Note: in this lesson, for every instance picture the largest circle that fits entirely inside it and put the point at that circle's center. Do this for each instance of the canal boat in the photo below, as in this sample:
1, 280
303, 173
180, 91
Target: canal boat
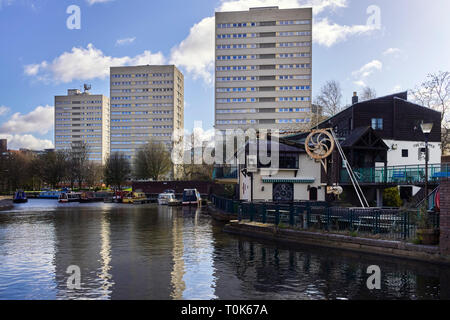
91, 196
20, 197
67, 197
174, 202
49, 194
191, 197
135, 198
165, 198
119, 196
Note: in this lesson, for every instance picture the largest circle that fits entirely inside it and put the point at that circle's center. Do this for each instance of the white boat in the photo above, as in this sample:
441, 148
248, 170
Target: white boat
165, 198
69, 197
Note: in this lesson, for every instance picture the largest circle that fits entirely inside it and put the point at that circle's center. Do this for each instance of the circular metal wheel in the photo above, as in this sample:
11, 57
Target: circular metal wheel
319, 144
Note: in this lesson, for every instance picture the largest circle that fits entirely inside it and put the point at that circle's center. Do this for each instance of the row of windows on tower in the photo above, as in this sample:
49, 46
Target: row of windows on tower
262, 24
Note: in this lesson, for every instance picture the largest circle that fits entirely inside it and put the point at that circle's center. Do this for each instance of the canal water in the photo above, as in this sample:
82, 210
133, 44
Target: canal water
155, 252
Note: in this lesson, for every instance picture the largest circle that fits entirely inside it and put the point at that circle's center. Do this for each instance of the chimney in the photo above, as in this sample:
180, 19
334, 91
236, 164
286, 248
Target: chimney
355, 98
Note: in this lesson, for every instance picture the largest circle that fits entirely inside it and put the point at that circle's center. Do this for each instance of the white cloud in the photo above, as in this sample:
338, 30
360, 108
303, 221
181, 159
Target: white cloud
125, 41
91, 2
196, 52
368, 69
26, 141
395, 53
328, 34
33, 69
40, 120
391, 51
360, 83
86, 64
397, 88
4, 110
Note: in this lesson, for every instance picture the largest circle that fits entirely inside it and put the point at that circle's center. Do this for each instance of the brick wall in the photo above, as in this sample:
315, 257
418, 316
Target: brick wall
445, 217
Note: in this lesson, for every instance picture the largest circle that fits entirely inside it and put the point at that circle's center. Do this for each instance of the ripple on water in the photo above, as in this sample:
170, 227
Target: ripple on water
150, 252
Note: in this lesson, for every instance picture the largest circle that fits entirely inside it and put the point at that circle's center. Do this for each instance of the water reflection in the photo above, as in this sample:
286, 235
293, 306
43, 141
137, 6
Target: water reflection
105, 254
151, 252
178, 272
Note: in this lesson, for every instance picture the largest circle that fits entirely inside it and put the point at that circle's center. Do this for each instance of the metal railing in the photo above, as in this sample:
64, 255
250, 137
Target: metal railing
226, 205
389, 223
399, 174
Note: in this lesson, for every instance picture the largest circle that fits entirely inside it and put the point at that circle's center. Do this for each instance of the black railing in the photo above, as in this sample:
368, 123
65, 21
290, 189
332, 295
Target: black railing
226, 205
388, 223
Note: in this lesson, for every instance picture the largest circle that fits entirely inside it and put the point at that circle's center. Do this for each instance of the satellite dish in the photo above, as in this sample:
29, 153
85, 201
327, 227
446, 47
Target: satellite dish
87, 87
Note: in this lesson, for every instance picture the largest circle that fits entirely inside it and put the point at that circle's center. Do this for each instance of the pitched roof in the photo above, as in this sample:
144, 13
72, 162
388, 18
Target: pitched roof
357, 134
400, 95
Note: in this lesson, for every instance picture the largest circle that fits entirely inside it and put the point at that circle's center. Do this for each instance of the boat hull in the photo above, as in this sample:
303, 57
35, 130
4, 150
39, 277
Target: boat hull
20, 200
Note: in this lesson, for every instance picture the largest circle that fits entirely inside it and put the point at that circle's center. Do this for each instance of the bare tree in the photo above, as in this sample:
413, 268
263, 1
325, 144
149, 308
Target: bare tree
434, 93
78, 162
330, 98
17, 170
152, 161
52, 167
368, 94
94, 173
117, 170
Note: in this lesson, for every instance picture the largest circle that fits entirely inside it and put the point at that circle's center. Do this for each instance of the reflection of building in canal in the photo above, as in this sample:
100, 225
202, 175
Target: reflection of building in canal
79, 241
267, 272
193, 273
178, 284
142, 262
105, 254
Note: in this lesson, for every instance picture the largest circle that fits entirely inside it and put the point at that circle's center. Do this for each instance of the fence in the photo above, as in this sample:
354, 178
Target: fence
226, 205
384, 222
400, 174
232, 206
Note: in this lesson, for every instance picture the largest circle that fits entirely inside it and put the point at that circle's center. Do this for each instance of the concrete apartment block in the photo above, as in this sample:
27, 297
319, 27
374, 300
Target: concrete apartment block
81, 116
147, 103
263, 69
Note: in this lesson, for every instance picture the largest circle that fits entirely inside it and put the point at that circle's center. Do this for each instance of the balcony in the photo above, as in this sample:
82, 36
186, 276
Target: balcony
225, 174
407, 175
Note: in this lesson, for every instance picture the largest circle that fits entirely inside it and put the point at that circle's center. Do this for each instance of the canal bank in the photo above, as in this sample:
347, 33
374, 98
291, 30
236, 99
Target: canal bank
398, 249
6, 204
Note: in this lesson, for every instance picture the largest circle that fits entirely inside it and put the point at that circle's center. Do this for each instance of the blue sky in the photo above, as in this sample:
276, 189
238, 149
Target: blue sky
40, 57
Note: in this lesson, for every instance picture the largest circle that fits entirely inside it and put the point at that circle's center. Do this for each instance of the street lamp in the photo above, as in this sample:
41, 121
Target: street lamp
426, 129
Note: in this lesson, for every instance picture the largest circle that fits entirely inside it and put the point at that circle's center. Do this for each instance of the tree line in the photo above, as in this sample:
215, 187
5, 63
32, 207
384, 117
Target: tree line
72, 168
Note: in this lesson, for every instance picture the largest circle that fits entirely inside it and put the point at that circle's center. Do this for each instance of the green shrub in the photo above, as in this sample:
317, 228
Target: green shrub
353, 234
391, 197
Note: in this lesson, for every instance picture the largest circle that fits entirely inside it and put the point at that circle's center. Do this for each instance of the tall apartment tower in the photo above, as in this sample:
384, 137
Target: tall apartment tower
263, 69
147, 103
83, 117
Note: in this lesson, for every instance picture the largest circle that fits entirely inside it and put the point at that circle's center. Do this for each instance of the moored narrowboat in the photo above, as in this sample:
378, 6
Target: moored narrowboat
20, 197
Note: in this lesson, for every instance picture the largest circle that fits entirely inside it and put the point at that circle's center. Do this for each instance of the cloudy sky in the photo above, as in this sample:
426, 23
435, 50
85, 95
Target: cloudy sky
41, 57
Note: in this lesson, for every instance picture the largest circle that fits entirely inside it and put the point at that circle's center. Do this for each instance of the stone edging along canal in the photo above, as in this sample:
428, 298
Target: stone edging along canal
397, 249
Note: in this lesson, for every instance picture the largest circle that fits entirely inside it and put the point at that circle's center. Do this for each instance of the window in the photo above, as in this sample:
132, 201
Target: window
377, 124
405, 153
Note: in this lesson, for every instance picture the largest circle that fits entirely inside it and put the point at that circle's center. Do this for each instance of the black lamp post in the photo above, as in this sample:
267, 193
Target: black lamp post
426, 129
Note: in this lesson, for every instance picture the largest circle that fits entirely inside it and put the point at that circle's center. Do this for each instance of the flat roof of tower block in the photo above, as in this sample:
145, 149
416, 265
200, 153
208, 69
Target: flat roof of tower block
264, 8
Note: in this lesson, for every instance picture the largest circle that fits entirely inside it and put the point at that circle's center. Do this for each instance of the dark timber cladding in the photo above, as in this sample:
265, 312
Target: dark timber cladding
401, 118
